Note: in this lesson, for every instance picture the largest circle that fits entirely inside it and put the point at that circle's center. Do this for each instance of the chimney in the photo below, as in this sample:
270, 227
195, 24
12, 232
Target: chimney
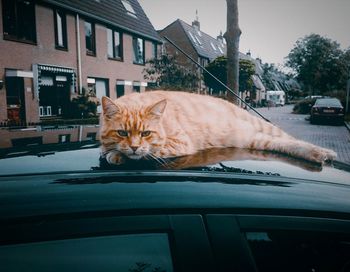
248, 53
196, 23
220, 38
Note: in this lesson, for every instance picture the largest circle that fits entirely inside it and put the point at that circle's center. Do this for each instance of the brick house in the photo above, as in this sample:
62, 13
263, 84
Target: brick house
203, 48
52, 49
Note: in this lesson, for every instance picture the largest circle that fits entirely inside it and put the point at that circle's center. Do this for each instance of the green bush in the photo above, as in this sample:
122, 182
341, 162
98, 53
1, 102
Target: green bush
82, 107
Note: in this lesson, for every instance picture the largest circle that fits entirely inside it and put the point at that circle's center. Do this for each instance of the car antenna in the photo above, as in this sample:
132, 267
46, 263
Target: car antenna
214, 77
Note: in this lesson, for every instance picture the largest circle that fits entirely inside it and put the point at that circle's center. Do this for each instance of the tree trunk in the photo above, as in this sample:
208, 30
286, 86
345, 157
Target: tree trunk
232, 36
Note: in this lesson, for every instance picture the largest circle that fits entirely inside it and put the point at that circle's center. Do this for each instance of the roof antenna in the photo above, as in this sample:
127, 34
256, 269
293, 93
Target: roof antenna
197, 15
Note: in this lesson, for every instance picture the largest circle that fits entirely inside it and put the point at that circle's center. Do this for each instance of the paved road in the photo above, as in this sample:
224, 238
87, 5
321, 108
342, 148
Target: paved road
333, 137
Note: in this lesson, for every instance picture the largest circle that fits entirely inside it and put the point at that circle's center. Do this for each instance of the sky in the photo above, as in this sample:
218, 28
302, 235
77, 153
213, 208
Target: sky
270, 28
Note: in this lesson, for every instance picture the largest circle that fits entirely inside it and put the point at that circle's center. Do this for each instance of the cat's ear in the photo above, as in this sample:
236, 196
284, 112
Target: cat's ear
109, 107
157, 109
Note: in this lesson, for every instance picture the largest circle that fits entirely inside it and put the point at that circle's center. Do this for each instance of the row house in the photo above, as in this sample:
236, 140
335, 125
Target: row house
203, 48
52, 50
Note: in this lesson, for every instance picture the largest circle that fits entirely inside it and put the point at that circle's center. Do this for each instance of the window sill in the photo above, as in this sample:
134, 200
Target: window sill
15, 39
116, 59
91, 54
61, 48
140, 64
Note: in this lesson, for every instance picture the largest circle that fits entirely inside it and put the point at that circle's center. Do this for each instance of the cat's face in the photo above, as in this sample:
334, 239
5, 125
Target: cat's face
135, 132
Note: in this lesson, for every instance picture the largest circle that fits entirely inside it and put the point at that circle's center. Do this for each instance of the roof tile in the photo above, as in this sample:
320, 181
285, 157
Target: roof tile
112, 12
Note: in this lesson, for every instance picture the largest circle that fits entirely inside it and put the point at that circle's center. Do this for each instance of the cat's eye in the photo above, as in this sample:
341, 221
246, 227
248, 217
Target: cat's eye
122, 133
145, 133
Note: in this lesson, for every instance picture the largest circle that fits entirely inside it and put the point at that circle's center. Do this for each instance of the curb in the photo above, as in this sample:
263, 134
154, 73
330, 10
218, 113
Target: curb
347, 125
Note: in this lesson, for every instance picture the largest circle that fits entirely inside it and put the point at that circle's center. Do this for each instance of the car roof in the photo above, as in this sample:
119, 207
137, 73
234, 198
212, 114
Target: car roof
154, 192
59, 181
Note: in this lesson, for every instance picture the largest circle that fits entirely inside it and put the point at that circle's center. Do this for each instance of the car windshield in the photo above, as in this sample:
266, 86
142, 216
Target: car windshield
328, 102
137, 85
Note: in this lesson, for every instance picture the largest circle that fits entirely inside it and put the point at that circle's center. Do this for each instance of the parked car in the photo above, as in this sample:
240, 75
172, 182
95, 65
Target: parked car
236, 210
327, 109
313, 96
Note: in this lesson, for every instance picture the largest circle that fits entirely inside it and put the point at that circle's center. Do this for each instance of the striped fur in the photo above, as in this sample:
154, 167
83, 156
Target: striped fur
183, 123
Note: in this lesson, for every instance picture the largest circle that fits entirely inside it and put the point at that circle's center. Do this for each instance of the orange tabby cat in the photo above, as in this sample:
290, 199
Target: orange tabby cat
163, 124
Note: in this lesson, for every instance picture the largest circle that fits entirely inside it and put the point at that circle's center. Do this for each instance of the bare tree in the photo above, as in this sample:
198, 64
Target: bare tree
232, 36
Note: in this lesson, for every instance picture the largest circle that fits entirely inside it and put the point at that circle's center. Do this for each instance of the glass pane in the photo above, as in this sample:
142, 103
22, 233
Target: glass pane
138, 50
141, 51
139, 252
110, 43
59, 29
9, 17
155, 50
89, 39
134, 45
300, 251
25, 20
117, 47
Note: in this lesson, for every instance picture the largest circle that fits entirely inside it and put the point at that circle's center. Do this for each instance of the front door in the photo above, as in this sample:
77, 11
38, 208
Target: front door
54, 96
16, 112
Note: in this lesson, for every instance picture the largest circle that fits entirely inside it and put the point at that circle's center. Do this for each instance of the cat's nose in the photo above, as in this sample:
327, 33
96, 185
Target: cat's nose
134, 148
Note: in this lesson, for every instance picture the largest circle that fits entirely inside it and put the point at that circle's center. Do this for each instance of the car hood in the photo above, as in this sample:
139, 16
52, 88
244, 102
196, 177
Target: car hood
228, 160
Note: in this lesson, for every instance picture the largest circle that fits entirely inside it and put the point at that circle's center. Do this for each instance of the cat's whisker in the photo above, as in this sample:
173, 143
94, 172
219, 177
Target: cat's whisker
154, 158
160, 160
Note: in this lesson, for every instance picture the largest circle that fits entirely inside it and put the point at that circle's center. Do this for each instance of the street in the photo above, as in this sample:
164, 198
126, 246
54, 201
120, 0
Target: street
336, 138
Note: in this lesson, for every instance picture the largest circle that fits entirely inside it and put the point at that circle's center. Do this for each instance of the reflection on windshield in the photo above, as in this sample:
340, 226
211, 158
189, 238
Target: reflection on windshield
210, 157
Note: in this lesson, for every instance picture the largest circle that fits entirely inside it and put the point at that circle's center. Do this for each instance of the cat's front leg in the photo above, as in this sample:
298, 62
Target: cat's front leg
115, 157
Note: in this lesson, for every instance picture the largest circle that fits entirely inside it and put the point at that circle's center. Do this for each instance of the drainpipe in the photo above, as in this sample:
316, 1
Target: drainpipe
79, 54
80, 133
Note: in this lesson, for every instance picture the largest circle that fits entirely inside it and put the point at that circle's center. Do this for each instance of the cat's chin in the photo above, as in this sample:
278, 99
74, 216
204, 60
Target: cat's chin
135, 156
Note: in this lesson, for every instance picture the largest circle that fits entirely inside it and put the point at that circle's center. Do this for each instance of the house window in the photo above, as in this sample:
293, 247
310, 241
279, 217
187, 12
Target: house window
60, 30
136, 87
91, 136
98, 87
155, 50
114, 44
19, 20
90, 38
129, 9
120, 88
64, 138
139, 52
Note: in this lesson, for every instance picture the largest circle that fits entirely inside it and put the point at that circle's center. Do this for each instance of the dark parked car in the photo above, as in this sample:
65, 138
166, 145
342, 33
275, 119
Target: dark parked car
235, 210
327, 109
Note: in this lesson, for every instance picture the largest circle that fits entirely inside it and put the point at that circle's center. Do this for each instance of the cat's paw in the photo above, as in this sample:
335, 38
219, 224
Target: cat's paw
115, 158
321, 155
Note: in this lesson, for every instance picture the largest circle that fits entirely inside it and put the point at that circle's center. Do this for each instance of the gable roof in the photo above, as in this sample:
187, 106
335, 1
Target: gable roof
208, 47
205, 45
113, 13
